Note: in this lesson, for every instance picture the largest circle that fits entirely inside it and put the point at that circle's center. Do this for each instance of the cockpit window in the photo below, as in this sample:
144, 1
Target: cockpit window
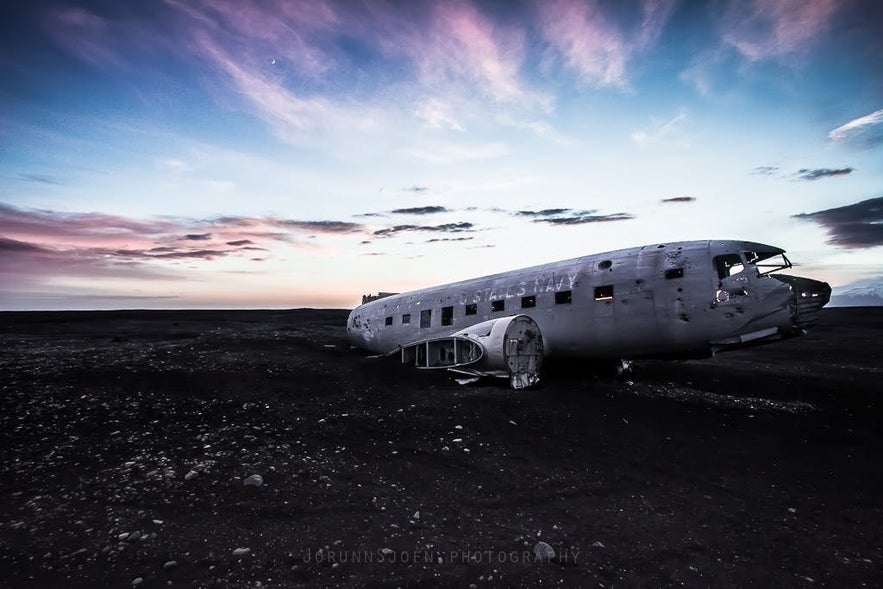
767, 262
728, 264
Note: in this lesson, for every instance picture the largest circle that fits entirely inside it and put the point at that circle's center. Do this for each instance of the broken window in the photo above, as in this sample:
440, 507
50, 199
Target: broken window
389, 320
528, 302
563, 297
406, 318
674, 273
425, 317
768, 261
497, 306
604, 293
728, 264
447, 315
472, 309
605, 264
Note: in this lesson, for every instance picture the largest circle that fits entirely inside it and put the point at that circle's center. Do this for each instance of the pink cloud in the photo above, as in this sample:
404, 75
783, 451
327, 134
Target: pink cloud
774, 28
590, 43
462, 43
263, 32
103, 240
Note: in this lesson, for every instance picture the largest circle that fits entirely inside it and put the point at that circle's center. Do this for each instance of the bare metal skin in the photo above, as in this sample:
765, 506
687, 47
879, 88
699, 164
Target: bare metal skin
680, 299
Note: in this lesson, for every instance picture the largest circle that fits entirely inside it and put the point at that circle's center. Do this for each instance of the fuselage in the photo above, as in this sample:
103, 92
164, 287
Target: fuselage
669, 299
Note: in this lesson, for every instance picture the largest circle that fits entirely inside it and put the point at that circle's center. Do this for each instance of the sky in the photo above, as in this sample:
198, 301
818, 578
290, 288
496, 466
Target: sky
235, 154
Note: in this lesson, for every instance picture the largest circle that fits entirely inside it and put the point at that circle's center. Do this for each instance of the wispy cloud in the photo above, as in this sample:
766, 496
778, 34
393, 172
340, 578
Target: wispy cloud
197, 236
762, 29
589, 43
664, 132
857, 225
430, 210
41, 179
457, 46
416, 188
764, 170
542, 213
321, 226
866, 131
444, 228
819, 173
678, 199
582, 219
439, 239
109, 241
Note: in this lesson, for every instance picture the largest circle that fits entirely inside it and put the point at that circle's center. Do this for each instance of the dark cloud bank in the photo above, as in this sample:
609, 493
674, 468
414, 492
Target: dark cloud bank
852, 226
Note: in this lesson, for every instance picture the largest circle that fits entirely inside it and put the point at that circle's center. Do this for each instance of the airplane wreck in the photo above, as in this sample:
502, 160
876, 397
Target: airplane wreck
675, 300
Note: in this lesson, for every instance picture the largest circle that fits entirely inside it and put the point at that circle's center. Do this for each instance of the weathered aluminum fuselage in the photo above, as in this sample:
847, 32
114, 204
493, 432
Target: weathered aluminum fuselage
673, 299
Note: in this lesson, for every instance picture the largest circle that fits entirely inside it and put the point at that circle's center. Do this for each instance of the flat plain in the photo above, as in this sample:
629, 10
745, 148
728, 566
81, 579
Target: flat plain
127, 438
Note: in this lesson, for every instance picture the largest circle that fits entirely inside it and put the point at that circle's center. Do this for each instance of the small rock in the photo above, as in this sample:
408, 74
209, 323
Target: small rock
543, 552
134, 536
254, 480
386, 551
792, 510
191, 475
137, 581
241, 551
597, 544
170, 564
416, 515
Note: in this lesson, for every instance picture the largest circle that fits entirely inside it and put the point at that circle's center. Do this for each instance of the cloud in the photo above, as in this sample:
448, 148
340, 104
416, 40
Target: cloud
580, 219
438, 239
416, 188
542, 213
764, 170
818, 173
664, 132
13, 245
42, 243
41, 179
675, 199
583, 36
319, 226
763, 29
455, 47
446, 228
866, 131
857, 225
431, 210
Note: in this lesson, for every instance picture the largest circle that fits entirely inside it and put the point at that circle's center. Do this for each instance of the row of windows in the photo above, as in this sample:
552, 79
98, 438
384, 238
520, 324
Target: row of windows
562, 297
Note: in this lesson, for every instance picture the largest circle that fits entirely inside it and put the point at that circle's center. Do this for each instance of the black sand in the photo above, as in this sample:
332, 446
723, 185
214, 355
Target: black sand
761, 467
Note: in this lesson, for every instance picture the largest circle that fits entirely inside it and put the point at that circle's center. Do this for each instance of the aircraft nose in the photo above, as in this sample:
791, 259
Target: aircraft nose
810, 296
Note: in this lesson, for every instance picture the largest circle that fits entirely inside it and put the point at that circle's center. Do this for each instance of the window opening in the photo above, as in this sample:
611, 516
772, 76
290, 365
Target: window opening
388, 321
674, 273
528, 302
604, 293
425, 317
563, 297
471, 309
447, 315
497, 306
406, 318
728, 264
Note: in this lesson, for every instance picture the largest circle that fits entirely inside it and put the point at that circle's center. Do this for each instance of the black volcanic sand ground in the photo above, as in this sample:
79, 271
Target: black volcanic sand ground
761, 467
